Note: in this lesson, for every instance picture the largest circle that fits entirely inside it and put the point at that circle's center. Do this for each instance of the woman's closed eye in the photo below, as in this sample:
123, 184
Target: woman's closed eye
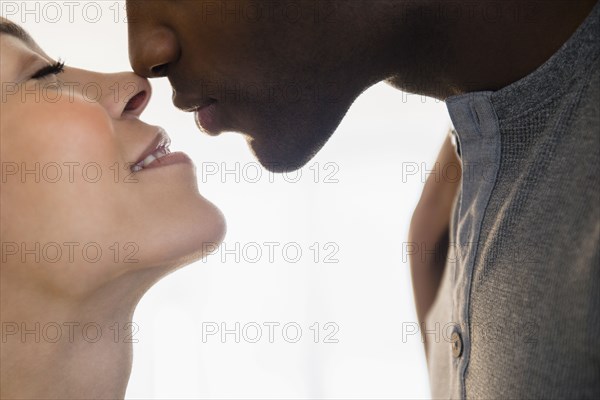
51, 69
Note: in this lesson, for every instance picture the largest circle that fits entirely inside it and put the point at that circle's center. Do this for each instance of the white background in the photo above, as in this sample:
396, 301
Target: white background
359, 204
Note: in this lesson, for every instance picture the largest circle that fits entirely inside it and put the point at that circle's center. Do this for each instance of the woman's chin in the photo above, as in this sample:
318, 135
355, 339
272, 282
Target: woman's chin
188, 236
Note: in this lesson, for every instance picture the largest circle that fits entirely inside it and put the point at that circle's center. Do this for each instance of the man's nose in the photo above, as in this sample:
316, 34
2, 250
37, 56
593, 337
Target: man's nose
152, 51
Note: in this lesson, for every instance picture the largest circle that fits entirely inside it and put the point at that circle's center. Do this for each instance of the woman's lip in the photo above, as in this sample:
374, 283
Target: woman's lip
177, 157
207, 119
160, 140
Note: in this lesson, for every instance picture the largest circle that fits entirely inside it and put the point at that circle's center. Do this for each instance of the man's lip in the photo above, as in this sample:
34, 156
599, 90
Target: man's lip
207, 119
192, 106
160, 140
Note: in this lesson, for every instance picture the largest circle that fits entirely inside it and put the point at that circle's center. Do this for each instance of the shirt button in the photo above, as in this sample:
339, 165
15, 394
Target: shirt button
457, 344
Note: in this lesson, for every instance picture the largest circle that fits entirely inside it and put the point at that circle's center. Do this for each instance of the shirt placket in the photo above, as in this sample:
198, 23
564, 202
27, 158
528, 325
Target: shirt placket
478, 134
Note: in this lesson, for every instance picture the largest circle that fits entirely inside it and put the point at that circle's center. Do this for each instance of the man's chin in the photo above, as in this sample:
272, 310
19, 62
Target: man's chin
277, 160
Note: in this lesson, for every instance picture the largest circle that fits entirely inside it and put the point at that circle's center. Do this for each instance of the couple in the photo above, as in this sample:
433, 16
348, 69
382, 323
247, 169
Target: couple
517, 244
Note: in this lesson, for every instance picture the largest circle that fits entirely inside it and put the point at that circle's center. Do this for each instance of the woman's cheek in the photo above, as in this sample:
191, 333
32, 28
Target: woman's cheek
74, 127
59, 159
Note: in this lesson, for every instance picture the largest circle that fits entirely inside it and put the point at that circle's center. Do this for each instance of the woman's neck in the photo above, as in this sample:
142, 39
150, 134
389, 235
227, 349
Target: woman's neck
54, 347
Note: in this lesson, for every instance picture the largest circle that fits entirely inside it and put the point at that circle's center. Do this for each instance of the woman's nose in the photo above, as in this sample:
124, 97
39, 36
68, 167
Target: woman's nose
127, 95
153, 50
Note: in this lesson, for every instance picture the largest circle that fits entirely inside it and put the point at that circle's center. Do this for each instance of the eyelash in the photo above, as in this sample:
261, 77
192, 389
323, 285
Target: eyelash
53, 69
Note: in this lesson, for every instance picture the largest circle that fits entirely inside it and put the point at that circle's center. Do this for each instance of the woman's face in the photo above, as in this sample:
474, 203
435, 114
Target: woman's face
75, 212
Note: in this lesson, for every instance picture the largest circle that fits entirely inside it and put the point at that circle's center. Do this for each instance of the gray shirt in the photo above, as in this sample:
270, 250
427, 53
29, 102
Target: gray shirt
517, 314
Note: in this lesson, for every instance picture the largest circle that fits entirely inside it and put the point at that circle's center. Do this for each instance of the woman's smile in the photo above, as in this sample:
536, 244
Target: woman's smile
158, 154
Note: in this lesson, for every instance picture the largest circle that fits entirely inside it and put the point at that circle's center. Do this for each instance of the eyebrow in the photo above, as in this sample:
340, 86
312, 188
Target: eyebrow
15, 30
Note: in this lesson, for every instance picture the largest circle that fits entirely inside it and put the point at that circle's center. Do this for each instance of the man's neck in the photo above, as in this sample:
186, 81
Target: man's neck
476, 46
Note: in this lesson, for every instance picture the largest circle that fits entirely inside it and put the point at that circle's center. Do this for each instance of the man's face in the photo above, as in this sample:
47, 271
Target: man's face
283, 73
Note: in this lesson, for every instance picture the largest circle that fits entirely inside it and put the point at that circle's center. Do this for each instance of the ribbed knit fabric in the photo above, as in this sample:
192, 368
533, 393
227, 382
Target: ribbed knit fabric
522, 281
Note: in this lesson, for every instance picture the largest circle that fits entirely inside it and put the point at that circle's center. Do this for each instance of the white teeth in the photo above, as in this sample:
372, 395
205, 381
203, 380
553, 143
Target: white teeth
158, 153
148, 160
